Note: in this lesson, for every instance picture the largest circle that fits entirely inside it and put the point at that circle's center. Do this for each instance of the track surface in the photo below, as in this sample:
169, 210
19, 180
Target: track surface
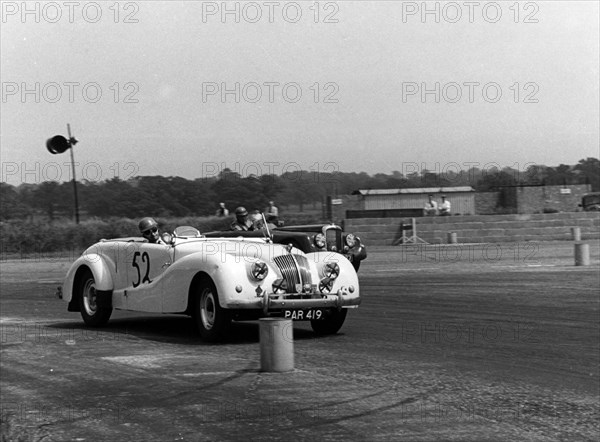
450, 343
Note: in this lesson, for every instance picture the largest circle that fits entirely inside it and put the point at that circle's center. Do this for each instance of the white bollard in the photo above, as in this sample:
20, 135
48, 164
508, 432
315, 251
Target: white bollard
582, 254
276, 344
576, 233
452, 238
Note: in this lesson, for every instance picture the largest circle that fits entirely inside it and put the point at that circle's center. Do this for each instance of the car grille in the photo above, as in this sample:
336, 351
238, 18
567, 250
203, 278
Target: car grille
334, 239
293, 273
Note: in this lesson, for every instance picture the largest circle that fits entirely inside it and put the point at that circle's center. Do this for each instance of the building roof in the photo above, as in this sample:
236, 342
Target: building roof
425, 190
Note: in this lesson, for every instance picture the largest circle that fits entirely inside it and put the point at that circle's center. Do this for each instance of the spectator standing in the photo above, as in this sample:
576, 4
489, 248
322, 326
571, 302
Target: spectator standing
222, 210
445, 206
431, 208
272, 212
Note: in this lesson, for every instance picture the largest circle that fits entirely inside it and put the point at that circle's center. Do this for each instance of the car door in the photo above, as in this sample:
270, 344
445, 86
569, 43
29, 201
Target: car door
120, 256
148, 262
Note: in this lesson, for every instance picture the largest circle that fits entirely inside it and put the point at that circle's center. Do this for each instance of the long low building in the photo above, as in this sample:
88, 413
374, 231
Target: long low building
461, 198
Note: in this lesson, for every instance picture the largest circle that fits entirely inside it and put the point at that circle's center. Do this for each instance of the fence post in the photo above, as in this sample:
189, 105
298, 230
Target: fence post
582, 254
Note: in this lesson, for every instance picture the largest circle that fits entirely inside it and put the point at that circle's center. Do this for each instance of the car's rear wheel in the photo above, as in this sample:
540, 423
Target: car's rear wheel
211, 319
92, 314
331, 324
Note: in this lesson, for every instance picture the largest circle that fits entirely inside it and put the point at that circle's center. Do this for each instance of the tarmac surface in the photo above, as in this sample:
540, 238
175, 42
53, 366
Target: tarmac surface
465, 342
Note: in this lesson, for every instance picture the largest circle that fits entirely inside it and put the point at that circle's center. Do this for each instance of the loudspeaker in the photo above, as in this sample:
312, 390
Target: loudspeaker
57, 144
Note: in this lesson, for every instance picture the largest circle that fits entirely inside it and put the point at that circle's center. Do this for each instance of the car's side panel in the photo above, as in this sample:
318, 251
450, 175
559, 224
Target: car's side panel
144, 285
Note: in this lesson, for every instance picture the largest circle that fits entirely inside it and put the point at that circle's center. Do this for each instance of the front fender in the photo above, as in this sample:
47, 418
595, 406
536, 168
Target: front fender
226, 271
99, 269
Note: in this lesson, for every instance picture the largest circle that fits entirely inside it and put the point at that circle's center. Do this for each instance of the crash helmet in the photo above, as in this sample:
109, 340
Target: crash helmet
241, 211
147, 224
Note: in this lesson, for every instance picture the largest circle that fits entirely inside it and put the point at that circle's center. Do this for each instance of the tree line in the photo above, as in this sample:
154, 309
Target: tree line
179, 197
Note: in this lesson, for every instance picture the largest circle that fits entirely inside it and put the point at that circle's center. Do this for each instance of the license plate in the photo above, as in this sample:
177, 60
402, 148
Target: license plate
304, 315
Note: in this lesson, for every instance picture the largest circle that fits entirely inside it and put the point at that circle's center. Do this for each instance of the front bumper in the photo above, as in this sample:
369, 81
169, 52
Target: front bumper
271, 302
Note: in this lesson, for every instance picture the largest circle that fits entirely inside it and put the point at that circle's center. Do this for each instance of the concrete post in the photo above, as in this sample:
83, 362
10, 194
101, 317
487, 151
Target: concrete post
452, 238
576, 233
582, 254
276, 344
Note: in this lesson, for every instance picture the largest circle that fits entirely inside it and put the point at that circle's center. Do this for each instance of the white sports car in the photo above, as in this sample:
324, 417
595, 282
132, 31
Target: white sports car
215, 280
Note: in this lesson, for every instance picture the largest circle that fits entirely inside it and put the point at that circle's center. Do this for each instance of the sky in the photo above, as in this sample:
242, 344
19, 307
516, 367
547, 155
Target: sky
190, 88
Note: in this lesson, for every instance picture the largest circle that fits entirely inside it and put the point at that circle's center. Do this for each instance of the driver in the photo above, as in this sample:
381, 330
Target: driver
149, 230
241, 220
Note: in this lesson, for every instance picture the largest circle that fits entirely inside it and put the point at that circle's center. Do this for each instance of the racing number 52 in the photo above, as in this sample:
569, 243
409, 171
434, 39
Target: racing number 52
146, 260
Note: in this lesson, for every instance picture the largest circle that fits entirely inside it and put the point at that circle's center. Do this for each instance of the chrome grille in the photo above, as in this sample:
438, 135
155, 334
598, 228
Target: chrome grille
304, 269
333, 238
293, 274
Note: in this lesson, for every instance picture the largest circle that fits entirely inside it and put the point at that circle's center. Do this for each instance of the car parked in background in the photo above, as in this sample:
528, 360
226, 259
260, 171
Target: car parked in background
591, 202
309, 238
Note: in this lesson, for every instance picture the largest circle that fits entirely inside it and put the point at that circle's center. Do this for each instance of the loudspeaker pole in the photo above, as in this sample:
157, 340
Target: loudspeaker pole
59, 144
72, 142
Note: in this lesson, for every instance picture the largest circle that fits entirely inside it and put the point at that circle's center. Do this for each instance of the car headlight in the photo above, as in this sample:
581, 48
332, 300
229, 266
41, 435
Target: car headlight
259, 270
350, 240
279, 286
325, 285
320, 241
331, 270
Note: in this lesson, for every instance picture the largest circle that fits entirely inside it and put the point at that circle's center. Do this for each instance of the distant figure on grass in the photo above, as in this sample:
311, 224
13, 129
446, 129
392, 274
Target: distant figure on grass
431, 208
272, 212
222, 210
445, 206
242, 222
149, 230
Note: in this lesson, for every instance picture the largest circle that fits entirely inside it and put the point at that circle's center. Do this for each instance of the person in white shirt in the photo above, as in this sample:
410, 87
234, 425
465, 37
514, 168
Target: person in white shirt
222, 210
445, 207
272, 212
431, 208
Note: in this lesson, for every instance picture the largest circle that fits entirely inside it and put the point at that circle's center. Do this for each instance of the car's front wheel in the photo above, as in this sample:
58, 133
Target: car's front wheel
211, 319
92, 314
331, 324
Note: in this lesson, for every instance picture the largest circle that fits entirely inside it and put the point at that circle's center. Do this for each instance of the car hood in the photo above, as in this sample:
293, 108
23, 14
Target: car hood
243, 247
305, 228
